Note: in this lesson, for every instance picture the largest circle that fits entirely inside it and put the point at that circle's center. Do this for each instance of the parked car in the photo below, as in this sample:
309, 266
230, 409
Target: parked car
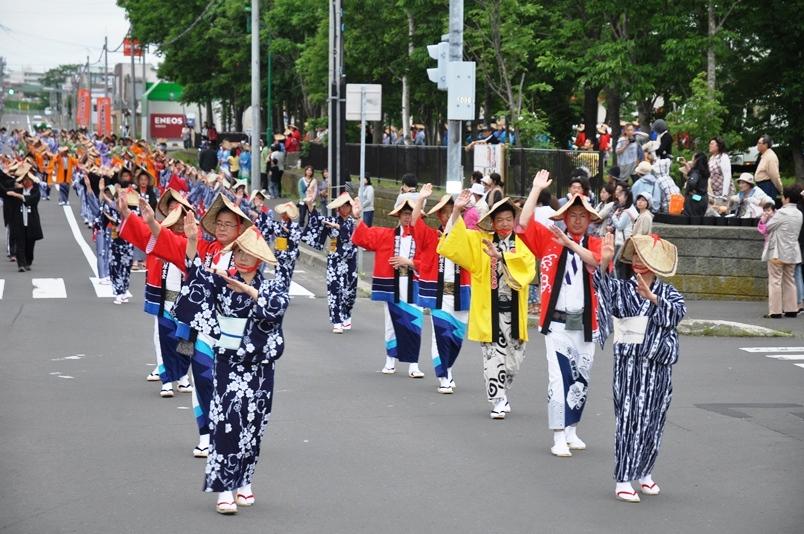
48, 111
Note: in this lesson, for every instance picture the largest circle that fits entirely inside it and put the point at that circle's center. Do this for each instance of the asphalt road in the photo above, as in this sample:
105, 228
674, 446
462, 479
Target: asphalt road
89, 446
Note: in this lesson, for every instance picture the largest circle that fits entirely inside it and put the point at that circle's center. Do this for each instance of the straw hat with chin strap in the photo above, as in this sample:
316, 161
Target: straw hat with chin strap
405, 204
339, 201
577, 200
485, 222
252, 243
445, 199
658, 255
167, 196
220, 202
288, 208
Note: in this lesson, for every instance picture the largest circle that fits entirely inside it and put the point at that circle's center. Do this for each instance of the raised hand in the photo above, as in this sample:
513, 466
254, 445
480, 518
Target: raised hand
560, 237
491, 250
146, 211
357, 207
463, 199
190, 225
122, 205
427, 190
607, 250
542, 180
643, 288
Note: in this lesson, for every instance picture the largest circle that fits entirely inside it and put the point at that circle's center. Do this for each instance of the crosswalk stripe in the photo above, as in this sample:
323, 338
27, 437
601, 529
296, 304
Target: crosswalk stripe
799, 365
785, 356
101, 290
2, 287
49, 288
772, 349
297, 290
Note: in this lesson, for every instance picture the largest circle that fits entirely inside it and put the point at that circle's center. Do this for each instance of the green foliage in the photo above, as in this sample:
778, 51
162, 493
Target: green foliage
534, 130
56, 76
701, 115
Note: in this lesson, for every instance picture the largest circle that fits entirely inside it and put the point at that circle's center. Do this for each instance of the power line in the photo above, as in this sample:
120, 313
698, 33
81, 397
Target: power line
191, 26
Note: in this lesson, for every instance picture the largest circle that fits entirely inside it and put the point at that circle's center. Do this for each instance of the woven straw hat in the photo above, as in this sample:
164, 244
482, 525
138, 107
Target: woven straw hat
169, 195
485, 222
339, 201
173, 217
399, 207
252, 242
220, 202
658, 255
445, 199
289, 208
577, 200
257, 192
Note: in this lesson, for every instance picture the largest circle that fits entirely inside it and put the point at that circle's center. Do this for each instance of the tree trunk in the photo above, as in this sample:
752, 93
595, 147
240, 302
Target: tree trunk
613, 115
645, 114
796, 147
238, 112
208, 109
710, 49
590, 112
406, 83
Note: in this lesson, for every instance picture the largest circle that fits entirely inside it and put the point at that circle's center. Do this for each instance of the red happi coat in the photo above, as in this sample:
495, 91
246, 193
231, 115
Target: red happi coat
382, 241
428, 289
552, 257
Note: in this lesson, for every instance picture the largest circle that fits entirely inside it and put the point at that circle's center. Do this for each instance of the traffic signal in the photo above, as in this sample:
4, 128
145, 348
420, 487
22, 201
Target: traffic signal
438, 75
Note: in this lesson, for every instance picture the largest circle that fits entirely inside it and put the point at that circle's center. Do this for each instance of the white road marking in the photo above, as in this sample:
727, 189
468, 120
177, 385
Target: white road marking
66, 376
2, 287
73, 357
49, 288
772, 349
89, 254
785, 356
101, 290
799, 365
297, 290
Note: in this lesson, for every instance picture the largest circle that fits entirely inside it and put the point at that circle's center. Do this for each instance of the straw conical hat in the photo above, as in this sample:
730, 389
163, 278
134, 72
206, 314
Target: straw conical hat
257, 192
252, 242
446, 199
167, 196
658, 255
485, 222
173, 217
289, 208
220, 202
576, 200
339, 201
399, 207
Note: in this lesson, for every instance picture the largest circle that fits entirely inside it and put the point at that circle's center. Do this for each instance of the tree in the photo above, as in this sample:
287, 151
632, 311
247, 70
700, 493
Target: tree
701, 116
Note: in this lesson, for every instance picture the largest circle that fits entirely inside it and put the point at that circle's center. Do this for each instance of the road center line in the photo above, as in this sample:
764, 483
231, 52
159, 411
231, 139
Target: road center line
772, 349
2, 287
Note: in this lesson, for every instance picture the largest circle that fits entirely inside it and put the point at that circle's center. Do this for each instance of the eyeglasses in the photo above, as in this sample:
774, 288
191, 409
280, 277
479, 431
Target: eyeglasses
225, 226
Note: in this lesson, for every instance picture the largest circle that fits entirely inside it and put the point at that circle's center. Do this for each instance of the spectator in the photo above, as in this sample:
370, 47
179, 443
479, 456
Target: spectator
697, 173
245, 161
543, 211
275, 188
479, 205
604, 139
212, 134
186, 134
629, 153
782, 252
307, 187
614, 175
800, 266
622, 221
234, 163
767, 173
660, 168
647, 182
265, 166
366, 194
418, 132
664, 141
643, 225
407, 191
605, 209
720, 186
580, 136
578, 185
749, 201
323, 191
477, 177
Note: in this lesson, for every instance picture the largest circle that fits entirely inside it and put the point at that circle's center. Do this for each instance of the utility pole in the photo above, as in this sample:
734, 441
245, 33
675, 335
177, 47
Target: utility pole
145, 126
132, 119
454, 168
255, 94
337, 101
269, 106
106, 67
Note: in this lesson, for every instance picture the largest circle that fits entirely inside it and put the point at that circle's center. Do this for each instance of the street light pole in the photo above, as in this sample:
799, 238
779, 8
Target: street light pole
454, 169
132, 120
255, 94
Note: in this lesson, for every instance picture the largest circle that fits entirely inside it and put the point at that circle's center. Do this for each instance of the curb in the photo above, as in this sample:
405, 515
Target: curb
718, 328
310, 256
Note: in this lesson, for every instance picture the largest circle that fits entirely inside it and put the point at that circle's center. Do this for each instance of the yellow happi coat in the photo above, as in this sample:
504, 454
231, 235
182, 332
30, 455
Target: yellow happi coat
465, 248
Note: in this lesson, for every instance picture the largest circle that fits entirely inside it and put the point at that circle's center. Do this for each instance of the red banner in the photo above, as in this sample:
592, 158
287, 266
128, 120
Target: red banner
83, 112
103, 105
166, 125
131, 47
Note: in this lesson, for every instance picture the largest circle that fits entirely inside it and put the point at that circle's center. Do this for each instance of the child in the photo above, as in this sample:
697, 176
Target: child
768, 210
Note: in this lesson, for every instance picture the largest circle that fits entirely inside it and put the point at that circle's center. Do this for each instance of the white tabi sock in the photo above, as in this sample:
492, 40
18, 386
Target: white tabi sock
414, 367
390, 363
203, 441
225, 496
570, 433
449, 374
559, 438
624, 486
647, 480
245, 490
167, 386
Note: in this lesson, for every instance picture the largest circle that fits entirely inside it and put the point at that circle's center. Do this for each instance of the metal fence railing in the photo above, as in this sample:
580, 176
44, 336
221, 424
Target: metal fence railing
429, 164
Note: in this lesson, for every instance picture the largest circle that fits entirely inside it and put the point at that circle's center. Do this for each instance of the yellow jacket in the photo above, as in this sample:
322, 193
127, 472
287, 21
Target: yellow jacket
465, 248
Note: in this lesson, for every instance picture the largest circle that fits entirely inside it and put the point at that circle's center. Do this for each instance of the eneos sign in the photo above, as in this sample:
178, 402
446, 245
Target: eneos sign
167, 125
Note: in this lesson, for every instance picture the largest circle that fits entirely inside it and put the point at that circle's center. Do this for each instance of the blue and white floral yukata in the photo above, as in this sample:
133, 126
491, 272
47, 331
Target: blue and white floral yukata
285, 237
250, 342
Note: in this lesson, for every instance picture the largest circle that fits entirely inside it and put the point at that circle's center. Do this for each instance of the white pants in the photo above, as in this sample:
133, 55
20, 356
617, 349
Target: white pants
569, 362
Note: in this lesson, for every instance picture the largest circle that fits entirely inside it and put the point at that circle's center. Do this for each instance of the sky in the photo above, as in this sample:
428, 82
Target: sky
41, 34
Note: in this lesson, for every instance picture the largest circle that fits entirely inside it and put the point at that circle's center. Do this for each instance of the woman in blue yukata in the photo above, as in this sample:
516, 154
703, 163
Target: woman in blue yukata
644, 313
121, 252
341, 259
244, 310
285, 234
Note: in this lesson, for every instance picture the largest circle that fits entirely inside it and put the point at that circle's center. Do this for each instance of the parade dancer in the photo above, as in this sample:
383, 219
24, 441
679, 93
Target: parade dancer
121, 252
162, 285
95, 217
341, 258
23, 199
644, 314
226, 222
285, 233
501, 267
246, 317
442, 286
393, 283
61, 169
568, 317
